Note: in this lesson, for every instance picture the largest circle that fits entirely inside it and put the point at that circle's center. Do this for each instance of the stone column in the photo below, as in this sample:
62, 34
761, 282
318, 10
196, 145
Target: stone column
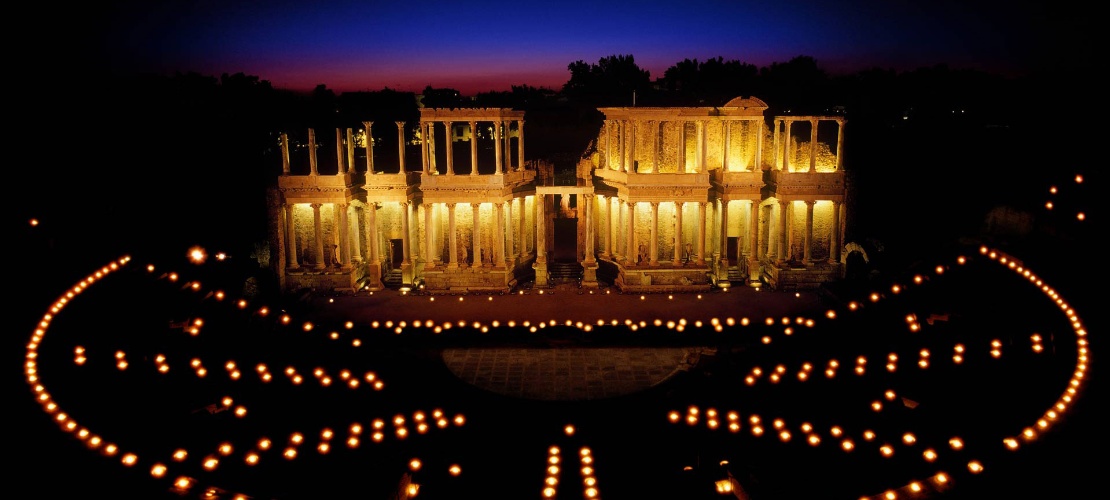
758, 165
632, 165
776, 151
369, 150
510, 246
813, 145
506, 134
701, 234
655, 146
807, 251
406, 259
621, 164
350, 151
499, 235
839, 144
291, 236
653, 248
424, 149
352, 229
340, 163
786, 147
727, 125
702, 146
344, 236
633, 248
449, 147
608, 143
453, 244
676, 259
285, 154
473, 147
372, 233
540, 222
524, 239
753, 242
400, 146
318, 232
312, 169
541, 228
432, 167
681, 125
429, 238
834, 234
611, 222
783, 251
754, 231
475, 236
621, 220
589, 209
520, 144
374, 270
497, 146
724, 239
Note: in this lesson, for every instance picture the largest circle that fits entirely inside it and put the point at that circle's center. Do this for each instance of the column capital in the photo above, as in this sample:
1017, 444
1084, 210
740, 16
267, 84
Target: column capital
400, 125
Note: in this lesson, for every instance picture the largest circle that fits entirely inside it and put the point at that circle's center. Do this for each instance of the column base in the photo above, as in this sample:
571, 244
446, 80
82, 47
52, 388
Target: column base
541, 274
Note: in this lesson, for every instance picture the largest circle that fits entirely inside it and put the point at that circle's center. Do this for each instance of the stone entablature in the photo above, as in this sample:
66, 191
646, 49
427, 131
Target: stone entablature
808, 185
738, 184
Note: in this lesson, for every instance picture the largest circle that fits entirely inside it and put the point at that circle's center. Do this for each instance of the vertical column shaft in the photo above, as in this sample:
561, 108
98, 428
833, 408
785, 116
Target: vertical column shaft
405, 243
632, 248
834, 234
340, 153
499, 235
497, 147
285, 154
318, 232
807, 251
520, 145
541, 228
400, 147
701, 233
344, 235
589, 208
369, 150
312, 168
449, 146
291, 236
476, 235
473, 147
429, 237
813, 145
782, 252
372, 233
453, 245
653, 248
676, 259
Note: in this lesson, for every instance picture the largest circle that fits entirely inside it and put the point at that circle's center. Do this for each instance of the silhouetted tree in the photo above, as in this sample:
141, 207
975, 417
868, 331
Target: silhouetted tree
613, 81
712, 82
443, 98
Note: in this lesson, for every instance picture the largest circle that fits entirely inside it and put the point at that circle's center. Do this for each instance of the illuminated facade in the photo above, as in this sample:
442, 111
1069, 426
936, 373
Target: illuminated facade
667, 199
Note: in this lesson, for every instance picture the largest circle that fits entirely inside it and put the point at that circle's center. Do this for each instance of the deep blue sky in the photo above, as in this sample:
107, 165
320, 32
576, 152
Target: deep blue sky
482, 45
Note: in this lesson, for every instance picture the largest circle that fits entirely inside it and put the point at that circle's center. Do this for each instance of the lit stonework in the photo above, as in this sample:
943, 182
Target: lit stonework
669, 199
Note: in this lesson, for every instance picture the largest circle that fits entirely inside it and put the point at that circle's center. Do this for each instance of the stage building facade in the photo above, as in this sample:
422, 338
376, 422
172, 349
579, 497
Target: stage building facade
665, 199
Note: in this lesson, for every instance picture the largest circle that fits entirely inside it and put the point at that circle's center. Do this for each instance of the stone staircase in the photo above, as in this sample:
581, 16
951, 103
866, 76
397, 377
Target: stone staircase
564, 272
735, 276
393, 279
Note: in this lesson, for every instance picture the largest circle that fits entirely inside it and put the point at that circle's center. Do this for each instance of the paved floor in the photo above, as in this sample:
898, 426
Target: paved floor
568, 373
561, 367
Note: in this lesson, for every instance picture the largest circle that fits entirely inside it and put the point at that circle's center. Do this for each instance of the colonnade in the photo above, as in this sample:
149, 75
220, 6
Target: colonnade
620, 137
501, 143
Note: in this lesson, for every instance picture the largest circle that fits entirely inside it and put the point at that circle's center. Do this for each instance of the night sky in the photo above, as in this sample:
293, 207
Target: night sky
482, 45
